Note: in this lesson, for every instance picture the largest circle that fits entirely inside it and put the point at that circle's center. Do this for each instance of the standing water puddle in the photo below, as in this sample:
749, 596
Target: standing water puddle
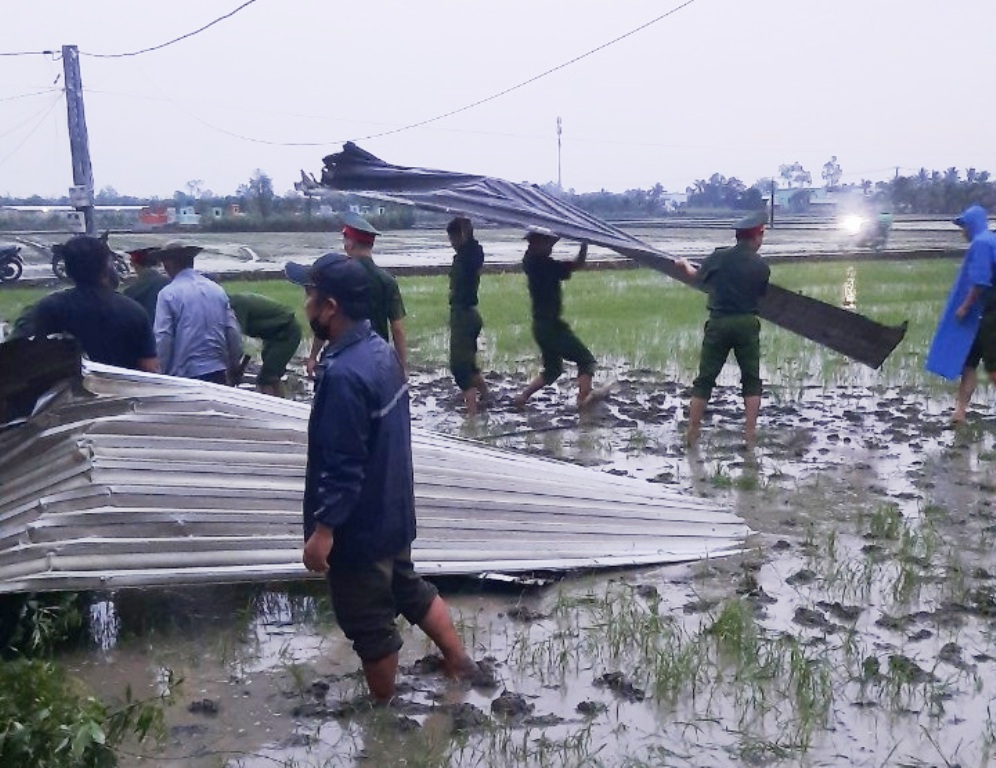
856, 629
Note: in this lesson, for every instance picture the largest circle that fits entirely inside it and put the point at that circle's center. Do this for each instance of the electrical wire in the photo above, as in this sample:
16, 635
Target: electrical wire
430, 120
524, 83
46, 109
31, 53
26, 95
32, 132
168, 42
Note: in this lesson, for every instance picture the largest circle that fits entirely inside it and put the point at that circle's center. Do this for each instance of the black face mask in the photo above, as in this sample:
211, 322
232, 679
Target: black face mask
318, 330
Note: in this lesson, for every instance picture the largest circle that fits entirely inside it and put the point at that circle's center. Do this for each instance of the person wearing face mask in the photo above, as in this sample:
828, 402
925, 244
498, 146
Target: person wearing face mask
387, 310
359, 496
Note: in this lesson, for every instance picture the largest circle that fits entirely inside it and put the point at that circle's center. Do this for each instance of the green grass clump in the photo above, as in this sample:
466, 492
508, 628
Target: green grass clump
642, 319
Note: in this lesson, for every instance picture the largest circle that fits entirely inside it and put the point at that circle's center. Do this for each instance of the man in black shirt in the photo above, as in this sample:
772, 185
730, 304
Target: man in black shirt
556, 340
110, 328
465, 320
736, 278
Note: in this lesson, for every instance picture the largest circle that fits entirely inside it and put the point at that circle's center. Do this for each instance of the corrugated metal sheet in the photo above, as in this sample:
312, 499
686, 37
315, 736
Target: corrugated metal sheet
151, 480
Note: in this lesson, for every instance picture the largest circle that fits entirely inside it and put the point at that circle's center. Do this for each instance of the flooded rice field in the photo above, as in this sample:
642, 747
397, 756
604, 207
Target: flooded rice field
428, 248
858, 627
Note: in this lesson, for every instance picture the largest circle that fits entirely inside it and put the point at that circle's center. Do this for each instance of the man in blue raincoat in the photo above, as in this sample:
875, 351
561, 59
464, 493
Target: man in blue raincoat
966, 332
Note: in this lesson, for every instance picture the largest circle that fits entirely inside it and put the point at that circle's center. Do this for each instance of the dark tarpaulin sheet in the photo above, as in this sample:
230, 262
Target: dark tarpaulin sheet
503, 202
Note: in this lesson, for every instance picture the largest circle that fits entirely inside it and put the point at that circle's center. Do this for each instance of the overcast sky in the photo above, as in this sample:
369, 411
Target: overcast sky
734, 86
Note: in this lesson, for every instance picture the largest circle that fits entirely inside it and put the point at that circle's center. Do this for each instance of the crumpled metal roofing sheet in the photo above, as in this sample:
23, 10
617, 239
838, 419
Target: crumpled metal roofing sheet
356, 170
154, 480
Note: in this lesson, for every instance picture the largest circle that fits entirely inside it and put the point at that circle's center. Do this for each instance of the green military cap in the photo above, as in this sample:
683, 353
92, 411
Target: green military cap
356, 222
752, 220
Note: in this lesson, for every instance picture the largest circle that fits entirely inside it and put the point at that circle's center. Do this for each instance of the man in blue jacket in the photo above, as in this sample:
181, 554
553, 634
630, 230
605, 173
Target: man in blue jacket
359, 500
966, 333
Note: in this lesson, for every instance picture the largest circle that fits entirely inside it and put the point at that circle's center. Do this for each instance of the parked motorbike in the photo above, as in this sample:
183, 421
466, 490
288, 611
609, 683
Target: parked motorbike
11, 263
121, 263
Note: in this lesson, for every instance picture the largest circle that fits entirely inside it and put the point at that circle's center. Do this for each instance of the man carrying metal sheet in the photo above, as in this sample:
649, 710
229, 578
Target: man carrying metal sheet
556, 340
465, 320
736, 278
359, 498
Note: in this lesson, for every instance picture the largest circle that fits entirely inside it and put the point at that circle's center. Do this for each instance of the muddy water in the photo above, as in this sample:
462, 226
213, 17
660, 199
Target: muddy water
856, 629
247, 251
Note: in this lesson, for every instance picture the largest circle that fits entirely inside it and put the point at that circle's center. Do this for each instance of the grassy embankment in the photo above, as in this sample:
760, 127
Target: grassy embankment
642, 319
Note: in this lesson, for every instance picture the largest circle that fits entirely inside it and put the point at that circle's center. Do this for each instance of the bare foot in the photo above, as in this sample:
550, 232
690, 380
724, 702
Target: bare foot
519, 402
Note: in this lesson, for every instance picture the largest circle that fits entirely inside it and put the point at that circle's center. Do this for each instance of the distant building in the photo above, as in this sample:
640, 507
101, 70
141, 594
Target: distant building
368, 210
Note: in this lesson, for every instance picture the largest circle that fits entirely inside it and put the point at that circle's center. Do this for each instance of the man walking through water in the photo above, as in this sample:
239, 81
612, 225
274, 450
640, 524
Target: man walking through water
966, 332
735, 278
556, 340
465, 320
359, 500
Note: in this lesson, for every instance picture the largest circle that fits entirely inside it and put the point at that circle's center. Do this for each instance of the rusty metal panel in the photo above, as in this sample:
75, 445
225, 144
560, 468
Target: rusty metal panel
142, 480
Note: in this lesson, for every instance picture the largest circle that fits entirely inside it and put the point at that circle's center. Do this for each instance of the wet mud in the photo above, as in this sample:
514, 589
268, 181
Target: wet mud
856, 628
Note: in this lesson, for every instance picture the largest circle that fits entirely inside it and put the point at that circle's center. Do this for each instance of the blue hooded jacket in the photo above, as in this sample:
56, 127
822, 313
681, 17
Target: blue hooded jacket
953, 338
359, 479
980, 259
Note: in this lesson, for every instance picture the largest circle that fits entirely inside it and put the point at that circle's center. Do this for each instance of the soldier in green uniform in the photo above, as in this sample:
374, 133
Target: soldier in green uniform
556, 340
465, 320
275, 325
735, 278
387, 310
149, 281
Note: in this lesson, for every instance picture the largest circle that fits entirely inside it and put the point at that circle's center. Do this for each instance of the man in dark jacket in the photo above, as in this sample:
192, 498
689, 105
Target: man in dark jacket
110, 328
736, 278
465, 320
359, 500
556, 340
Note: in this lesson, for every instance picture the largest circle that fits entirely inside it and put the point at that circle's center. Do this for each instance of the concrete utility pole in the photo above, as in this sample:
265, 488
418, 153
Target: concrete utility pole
79, 143
772, 201
559, 131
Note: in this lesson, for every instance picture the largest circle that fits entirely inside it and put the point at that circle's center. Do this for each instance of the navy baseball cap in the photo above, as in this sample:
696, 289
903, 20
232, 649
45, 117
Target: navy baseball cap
337, 276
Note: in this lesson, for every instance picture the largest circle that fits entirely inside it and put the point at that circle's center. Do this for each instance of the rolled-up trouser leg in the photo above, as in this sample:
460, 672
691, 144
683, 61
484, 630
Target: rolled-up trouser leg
557, 342
277, 352
712, 358
746, 334
465, 327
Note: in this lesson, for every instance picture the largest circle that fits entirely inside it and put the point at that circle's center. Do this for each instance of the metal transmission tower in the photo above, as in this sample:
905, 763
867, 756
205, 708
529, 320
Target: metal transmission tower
559, 131
81, 194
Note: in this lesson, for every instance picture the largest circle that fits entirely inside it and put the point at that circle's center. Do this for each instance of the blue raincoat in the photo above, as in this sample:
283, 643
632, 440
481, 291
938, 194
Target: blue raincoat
953, 337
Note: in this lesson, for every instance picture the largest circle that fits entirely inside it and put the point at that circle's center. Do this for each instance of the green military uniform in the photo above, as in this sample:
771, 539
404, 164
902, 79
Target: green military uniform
384, 299
736, 278
275, 325
556, 340
465, 320
145, 290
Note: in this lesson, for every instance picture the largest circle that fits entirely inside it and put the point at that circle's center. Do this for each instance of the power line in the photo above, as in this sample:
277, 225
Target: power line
168, 42
421, 123
30, 53
31, 133
46, 109
26, 95
531, 80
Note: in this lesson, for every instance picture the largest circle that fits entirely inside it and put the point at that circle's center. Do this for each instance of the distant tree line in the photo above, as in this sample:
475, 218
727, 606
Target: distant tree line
925, 192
